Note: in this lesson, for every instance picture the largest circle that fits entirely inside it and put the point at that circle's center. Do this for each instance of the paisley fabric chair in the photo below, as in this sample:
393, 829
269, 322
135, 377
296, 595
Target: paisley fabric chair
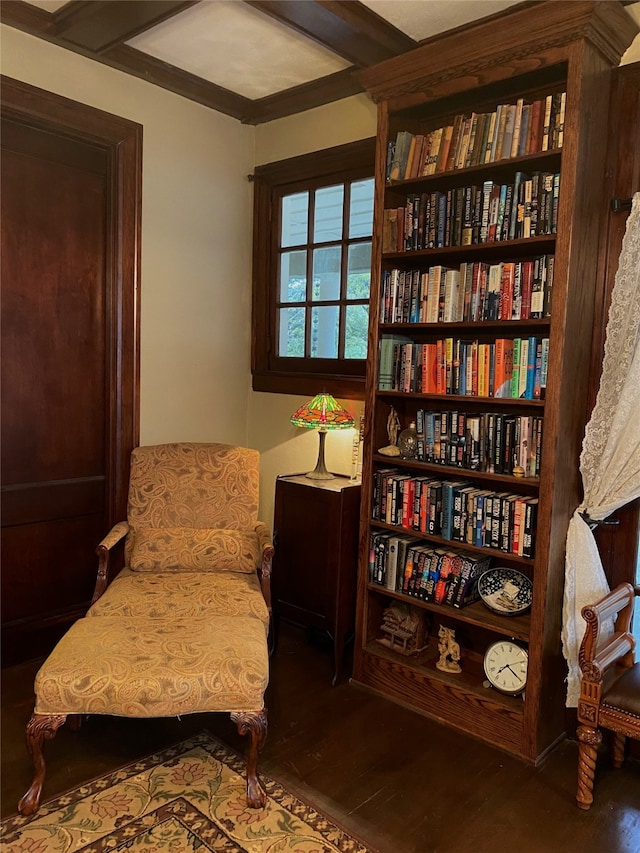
183, 627
610, 685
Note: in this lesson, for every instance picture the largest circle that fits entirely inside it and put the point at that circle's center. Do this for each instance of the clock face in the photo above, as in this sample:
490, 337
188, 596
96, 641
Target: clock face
505, 665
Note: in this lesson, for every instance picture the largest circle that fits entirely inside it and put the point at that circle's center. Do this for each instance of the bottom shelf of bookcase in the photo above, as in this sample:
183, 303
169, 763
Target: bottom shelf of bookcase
457, 700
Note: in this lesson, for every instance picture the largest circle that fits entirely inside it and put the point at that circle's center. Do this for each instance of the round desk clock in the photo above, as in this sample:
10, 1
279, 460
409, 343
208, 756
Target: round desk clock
505, 665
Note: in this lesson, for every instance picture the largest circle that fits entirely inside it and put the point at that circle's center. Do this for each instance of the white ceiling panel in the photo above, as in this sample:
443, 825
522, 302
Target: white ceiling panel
236, 47
423, 18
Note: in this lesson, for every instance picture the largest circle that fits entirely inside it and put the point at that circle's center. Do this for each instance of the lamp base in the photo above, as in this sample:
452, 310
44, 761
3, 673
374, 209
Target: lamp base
320, 475
320, 471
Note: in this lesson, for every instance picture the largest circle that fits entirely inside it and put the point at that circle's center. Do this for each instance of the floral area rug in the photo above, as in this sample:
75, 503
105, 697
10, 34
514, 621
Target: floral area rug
190, 797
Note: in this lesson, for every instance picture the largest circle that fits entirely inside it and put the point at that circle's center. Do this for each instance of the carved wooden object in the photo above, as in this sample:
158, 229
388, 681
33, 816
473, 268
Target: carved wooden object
616, 706
39, 729
255, 725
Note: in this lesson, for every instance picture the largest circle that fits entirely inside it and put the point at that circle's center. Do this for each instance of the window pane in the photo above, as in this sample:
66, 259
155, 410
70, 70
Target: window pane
355, 343
359, 271
291, 334
361, 210
295, 219
327, 224
293, 276
326, 273
324, 331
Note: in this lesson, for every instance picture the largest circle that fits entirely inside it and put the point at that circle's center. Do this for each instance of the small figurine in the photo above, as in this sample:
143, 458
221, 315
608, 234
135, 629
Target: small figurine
393, 428
449, 660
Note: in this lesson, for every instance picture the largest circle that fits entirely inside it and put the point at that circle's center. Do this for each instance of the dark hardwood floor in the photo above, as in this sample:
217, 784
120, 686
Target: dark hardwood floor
402, 783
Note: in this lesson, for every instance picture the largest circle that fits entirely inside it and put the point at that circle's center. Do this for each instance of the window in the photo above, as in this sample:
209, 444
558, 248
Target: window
313, 223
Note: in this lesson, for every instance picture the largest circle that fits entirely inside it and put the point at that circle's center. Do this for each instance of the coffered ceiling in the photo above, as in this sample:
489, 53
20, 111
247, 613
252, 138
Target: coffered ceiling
255, 60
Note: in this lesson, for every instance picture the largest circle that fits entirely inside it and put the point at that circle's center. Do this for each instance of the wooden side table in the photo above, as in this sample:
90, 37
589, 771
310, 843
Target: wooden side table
316, 556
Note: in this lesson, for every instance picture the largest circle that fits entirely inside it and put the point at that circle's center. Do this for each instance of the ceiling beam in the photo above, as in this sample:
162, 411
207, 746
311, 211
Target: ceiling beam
99, 25
176, 80
37, 22
345, 27
334, 87
28, 18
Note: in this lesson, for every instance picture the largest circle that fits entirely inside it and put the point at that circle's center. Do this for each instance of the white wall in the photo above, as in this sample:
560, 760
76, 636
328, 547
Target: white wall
333, 124
286, 449
196, 242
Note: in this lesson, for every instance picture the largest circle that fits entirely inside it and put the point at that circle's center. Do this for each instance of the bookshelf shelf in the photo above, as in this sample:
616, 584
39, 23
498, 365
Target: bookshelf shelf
497, 248
534, 63
449, 471
452, 544
548, 160
461, 400
452, 698
479, 325
474, 614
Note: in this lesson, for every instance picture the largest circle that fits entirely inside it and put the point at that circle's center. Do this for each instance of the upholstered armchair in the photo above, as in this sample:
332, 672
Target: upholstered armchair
183, 627
192, 509
610, 686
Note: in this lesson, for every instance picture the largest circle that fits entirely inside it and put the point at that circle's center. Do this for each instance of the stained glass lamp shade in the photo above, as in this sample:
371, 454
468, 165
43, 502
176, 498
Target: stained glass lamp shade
323, 413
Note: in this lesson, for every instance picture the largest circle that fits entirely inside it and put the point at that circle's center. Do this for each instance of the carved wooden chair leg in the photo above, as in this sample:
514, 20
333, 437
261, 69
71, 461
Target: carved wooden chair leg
617, 749
254, 725
588, 741
39, 729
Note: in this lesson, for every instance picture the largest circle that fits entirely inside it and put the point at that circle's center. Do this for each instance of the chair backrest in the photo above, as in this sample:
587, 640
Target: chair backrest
193, 485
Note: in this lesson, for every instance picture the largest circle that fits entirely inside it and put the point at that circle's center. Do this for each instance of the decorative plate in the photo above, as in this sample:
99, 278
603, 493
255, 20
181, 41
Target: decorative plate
505, 591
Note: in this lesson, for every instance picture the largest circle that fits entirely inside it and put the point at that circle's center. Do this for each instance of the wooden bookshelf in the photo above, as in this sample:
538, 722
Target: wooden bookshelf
533, 51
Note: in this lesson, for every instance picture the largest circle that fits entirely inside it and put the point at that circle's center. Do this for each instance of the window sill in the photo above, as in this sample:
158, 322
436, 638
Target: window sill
342, 387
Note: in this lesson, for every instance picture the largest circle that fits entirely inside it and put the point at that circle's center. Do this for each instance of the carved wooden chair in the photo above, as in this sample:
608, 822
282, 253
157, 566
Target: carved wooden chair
610, 686
183, 627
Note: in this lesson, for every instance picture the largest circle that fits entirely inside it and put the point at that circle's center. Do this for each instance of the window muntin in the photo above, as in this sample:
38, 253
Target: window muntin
324, 251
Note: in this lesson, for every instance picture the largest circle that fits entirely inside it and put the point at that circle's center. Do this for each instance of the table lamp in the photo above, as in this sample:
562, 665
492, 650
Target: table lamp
322, 413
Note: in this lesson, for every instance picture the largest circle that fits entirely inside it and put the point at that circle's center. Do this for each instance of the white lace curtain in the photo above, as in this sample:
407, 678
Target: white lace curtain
610, 458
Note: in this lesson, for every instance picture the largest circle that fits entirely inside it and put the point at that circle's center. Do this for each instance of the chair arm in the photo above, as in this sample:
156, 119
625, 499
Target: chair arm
117, 532
265, 543
612, 652
596, 658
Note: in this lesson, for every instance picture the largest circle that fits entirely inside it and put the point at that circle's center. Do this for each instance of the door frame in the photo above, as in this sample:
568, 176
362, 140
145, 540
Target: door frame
122, 140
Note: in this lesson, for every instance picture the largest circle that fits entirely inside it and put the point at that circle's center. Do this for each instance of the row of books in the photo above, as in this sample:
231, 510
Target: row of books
477, 214
456, 510
506, 290
401, 564
511, 130
509, 368
494, 442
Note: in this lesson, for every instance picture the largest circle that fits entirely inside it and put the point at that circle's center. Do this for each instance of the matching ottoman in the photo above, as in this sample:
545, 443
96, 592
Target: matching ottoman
149, 667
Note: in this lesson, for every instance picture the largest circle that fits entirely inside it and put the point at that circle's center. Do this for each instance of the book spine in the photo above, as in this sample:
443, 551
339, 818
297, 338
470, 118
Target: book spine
530, 519
544, 366
546, 128
517, 125
454, 580
531, 367
496, 521
498, 135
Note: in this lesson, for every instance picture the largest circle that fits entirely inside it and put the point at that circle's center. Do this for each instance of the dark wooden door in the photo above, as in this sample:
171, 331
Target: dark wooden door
69, 413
